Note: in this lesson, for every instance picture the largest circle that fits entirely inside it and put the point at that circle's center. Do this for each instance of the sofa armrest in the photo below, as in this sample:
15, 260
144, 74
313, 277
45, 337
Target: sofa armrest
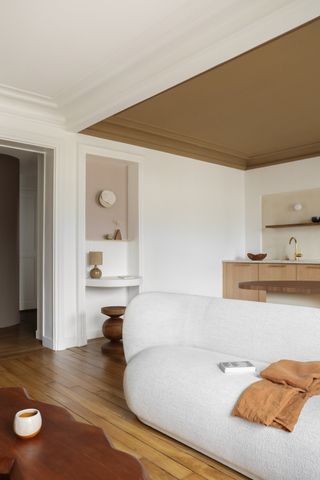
153, 319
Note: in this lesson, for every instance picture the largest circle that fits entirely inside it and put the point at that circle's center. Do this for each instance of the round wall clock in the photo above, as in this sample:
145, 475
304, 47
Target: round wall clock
107, 198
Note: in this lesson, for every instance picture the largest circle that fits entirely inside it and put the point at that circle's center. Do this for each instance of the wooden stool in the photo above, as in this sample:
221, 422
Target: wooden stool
112, 327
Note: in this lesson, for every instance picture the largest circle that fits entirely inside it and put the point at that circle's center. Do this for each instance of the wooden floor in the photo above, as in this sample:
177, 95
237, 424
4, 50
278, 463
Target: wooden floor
20, 338
89, 385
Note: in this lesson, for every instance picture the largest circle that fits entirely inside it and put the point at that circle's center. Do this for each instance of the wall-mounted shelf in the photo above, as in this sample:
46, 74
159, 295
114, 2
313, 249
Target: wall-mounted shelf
288, 225
114, 282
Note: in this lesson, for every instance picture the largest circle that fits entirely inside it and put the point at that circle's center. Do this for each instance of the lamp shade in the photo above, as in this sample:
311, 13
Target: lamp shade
95, 258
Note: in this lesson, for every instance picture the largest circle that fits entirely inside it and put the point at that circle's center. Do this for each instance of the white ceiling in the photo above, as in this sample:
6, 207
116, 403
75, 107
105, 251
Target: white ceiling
48, 46
75, 62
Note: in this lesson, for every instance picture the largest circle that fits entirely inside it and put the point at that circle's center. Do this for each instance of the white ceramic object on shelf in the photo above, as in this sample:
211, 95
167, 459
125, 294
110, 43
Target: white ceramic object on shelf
107, 198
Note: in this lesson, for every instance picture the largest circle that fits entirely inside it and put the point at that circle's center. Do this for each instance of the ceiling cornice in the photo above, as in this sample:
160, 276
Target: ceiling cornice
30, 105
140, 134
137, 133
283, 156
163, 57
202, 42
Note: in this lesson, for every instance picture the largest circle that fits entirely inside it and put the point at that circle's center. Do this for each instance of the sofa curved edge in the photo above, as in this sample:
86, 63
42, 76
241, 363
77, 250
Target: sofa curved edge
208, 454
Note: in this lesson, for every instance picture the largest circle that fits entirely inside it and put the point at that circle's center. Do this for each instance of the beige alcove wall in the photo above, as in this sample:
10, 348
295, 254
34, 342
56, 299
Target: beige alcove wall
120, 257
278, 209
106, 174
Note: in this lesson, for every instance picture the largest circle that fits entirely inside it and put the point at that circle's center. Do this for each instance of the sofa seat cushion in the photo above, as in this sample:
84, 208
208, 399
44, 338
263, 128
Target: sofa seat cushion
182, 392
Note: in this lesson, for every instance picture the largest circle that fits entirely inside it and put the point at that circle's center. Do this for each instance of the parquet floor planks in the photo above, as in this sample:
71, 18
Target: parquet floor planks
89, 385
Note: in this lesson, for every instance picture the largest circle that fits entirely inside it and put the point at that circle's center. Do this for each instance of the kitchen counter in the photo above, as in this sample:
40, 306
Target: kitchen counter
245, 270
294, 262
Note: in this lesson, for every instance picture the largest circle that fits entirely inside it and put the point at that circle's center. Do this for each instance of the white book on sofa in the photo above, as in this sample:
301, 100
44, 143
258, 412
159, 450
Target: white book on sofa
237, 367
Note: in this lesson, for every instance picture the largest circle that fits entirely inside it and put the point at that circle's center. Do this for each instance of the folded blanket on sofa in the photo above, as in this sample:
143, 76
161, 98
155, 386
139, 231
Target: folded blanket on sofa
278, 399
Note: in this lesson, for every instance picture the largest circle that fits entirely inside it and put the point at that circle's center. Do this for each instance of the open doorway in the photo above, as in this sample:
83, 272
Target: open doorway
25, 228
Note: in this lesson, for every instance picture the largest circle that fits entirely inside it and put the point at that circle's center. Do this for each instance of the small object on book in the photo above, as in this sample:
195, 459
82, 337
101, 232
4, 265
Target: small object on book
237, 367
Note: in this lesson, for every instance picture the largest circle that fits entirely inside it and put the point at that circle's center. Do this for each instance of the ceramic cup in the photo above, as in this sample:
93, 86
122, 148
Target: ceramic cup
27, 423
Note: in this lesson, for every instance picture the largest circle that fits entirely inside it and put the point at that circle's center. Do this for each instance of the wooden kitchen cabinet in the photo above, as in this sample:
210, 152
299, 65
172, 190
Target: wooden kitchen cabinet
277, 271
308, 272
236, 272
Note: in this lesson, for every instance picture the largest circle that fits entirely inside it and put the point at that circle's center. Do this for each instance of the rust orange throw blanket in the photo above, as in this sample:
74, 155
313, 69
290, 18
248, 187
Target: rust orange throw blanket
278, 399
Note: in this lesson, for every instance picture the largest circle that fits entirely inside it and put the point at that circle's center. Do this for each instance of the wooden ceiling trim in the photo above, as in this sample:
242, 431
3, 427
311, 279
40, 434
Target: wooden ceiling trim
145, 128
286, 155
205, 152
258, 109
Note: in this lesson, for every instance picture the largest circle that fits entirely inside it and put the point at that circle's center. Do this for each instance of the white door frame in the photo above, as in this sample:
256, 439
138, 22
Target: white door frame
42, 294
40, 244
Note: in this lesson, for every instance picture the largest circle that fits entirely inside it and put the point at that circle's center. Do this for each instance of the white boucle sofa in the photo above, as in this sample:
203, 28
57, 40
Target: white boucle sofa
173, 344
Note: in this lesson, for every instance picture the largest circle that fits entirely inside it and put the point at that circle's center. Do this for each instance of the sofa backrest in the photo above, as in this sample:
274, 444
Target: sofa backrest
251, 330
261, 331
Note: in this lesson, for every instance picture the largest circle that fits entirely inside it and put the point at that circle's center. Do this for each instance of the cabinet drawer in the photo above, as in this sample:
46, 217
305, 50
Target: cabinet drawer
233, 273
277, 271
308, 272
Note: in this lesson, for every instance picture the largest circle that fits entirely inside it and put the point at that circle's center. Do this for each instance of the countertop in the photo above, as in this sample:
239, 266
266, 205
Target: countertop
294, 262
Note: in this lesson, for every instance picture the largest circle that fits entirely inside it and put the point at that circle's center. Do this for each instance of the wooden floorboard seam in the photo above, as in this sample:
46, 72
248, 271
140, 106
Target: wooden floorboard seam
89, 385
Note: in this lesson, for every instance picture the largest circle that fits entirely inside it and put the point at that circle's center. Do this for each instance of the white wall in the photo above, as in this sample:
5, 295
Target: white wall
287, 177
192, 218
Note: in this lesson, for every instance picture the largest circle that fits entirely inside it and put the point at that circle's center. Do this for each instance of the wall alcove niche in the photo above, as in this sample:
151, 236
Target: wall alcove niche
121, 270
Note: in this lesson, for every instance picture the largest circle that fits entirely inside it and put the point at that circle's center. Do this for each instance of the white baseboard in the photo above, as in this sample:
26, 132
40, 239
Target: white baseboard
94, 333
63, 344
47, 342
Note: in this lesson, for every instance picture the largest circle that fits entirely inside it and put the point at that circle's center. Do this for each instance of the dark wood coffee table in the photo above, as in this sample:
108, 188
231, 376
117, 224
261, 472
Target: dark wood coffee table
63, 450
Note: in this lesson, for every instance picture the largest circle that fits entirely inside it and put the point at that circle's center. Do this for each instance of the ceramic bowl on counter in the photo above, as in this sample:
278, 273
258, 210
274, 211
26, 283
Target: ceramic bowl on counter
315, 219
256, 256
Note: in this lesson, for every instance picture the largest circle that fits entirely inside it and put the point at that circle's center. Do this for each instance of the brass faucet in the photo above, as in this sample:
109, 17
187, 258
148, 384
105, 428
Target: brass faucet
297, 254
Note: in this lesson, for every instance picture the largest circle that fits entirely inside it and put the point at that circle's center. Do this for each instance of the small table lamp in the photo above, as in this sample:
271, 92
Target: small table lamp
95, 258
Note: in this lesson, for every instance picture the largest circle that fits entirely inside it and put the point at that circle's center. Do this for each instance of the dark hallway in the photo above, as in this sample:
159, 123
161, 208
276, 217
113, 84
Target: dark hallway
21, 337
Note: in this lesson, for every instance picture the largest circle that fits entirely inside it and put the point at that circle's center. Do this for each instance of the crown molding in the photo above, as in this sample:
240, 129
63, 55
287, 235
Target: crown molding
162, 133
148, 136
286, 155
171, 54
30, 106
192, 40
135, 133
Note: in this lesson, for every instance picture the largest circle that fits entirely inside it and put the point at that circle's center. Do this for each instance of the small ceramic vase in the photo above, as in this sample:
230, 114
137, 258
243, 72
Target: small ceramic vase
27, 423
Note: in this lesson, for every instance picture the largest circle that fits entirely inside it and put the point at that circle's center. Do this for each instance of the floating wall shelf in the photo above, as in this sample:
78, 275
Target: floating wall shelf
288, 225
114, 282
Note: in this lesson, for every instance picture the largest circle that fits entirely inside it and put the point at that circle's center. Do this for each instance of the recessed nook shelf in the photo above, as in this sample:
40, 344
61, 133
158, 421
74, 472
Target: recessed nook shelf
114, 282
288, 225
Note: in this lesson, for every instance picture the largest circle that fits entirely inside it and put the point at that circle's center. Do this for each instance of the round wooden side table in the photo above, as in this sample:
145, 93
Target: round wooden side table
112, 327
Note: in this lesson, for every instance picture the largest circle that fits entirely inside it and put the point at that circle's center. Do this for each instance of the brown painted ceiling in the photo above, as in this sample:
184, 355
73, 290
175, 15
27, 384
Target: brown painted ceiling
258, 109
